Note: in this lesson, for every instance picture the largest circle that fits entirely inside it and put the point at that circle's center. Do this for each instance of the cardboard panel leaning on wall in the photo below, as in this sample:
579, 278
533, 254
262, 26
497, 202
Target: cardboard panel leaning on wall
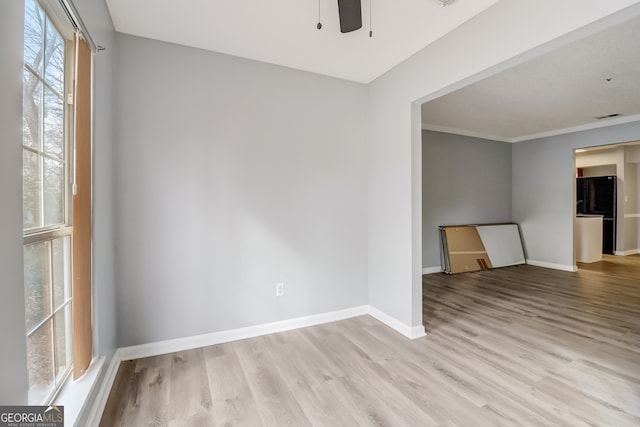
480, 247
465, 180
465, 250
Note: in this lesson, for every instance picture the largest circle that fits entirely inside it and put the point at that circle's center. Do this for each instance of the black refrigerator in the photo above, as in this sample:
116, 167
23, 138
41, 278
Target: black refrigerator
597, 196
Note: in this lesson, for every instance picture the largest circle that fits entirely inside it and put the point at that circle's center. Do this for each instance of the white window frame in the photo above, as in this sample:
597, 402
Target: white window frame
46, 234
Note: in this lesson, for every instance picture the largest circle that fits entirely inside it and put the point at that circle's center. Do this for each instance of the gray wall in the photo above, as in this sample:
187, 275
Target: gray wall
465, 180
233, 175
13, 366
544, 189
630, 207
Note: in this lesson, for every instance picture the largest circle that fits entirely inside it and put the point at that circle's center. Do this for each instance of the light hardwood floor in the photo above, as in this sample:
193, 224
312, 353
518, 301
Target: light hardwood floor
517, 346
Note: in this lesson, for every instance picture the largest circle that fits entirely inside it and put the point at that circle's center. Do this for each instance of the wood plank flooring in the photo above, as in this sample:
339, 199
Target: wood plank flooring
516, 346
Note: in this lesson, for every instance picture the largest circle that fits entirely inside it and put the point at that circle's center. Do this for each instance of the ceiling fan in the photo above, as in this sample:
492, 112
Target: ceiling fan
350, 13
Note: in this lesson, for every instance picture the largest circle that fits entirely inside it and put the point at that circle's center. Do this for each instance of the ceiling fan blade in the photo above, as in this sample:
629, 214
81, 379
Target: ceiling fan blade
350, 15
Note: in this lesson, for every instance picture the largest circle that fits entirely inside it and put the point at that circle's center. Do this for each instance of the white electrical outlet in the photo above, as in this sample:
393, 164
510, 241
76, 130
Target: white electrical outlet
279, 289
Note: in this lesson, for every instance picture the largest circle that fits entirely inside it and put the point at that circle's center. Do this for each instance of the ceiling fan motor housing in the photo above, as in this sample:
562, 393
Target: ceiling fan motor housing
350, 12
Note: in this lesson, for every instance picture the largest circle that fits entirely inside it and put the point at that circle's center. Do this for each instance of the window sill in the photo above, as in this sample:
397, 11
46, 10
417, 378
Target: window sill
73, 395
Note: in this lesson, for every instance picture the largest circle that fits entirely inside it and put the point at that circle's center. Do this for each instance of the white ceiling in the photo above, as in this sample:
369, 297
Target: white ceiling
559, 92
283, 32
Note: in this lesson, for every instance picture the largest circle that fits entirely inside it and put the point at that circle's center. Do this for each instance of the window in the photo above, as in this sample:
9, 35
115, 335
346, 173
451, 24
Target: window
46, 208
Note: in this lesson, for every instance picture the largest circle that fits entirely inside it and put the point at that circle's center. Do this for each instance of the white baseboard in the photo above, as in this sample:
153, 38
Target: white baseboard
629, 252
204, 340
197, 341
431, 270
553, 266
100, 402
408, 331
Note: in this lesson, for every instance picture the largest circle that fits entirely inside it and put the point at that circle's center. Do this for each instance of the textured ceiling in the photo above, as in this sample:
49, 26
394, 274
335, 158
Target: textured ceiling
284, 32
561, 91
